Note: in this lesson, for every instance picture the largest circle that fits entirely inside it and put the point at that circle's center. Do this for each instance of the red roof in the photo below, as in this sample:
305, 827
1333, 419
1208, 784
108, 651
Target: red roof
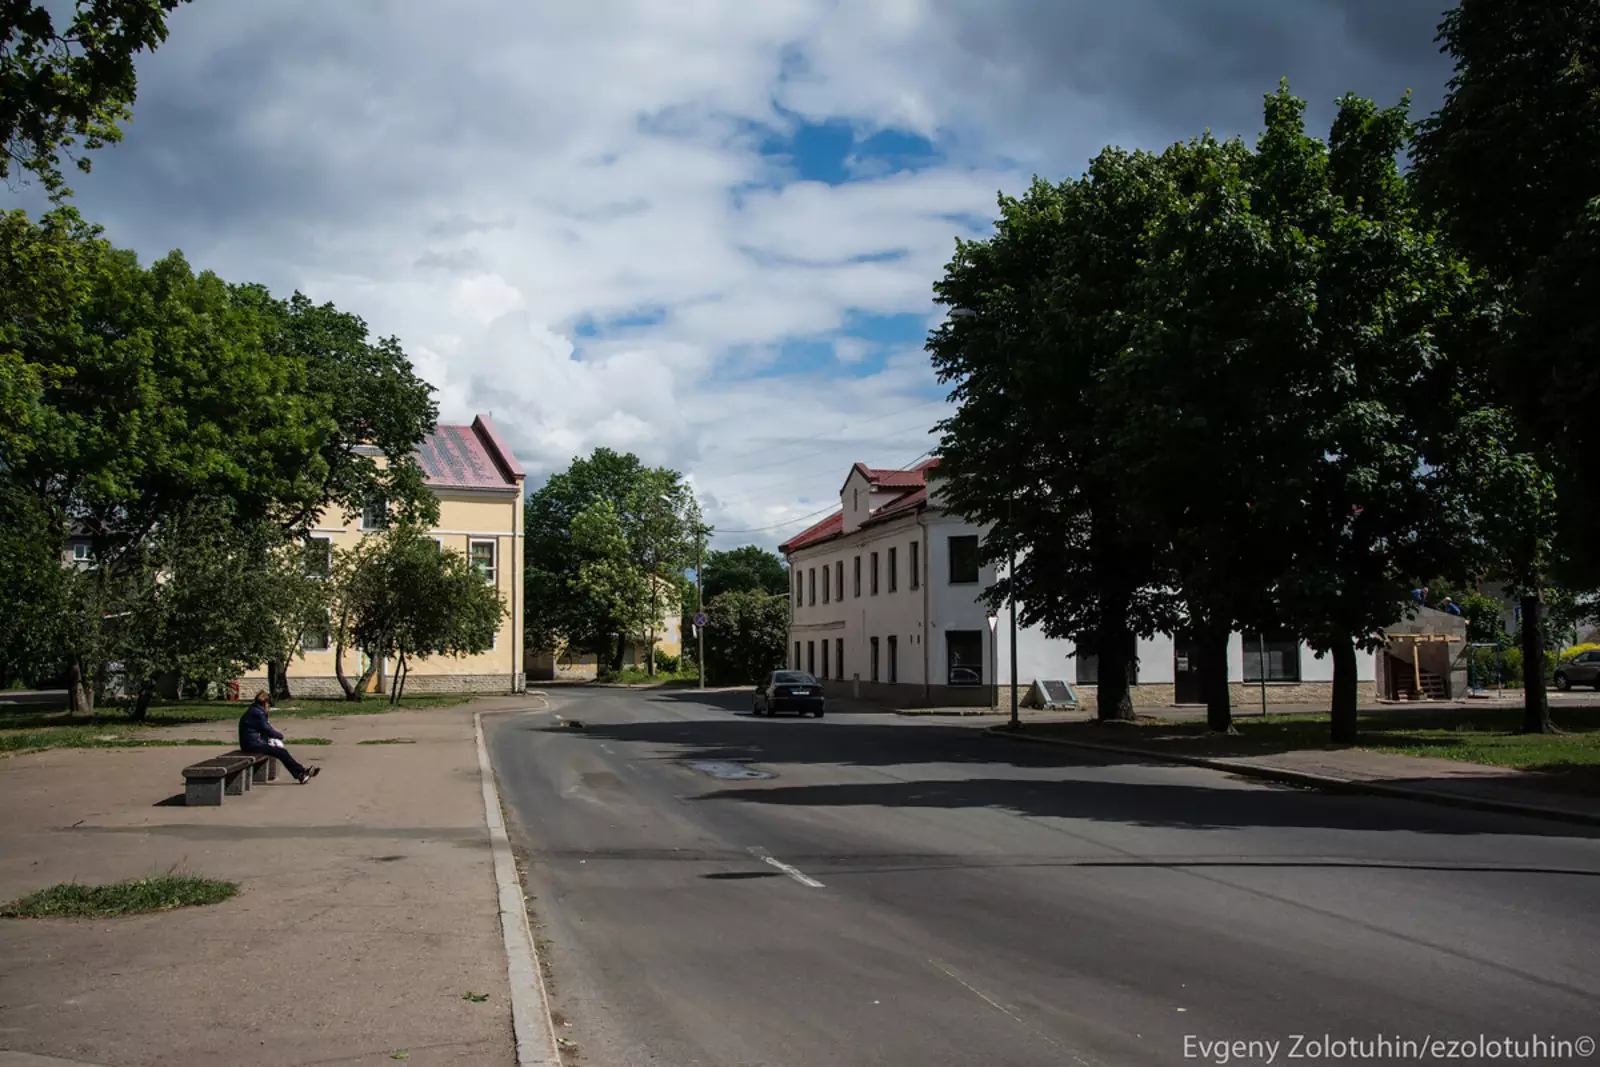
914, 481
468, 457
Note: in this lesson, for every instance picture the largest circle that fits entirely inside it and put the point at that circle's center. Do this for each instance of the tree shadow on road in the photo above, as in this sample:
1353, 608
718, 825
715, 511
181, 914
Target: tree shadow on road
1173, 805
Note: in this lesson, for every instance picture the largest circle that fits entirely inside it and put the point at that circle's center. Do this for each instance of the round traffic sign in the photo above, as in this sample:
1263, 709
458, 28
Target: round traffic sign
700, 619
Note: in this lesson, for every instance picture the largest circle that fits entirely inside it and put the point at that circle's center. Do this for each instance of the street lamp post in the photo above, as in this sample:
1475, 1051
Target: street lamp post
699, 587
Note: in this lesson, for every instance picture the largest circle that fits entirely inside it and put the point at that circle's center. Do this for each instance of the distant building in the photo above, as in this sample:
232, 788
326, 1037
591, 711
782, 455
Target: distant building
885, 605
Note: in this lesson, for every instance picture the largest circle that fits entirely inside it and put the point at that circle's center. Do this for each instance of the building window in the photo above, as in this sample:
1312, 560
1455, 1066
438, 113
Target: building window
799, 593
826, 593
1282, 656
874, 578
318, 557
797, 655
916, 564
811, 583
315, 640
894, 570
80, 551
811, 657
894, 660
838, 657
1087, 665
375, 516
482, 553
964, 649
858, 576
855, 500
838, 580
964, 559
873, 658
824, 673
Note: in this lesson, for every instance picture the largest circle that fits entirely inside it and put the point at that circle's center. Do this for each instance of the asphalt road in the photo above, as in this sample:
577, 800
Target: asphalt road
911, 892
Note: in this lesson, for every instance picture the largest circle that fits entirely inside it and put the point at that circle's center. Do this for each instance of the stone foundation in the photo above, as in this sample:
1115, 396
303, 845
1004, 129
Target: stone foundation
1149, 699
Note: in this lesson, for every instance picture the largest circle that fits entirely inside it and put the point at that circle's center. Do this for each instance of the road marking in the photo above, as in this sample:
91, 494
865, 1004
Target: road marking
606, 749
793, 872
997, 1006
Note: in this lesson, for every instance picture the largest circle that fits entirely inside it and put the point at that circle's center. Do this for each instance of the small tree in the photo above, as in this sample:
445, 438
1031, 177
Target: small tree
746, 633
401, 594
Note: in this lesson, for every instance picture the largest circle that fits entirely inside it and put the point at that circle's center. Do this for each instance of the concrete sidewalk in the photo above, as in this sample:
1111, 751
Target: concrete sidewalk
367, 907
1470, 785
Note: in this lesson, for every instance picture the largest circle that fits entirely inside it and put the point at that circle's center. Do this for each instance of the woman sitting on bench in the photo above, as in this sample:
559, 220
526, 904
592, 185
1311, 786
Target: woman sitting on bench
256, 735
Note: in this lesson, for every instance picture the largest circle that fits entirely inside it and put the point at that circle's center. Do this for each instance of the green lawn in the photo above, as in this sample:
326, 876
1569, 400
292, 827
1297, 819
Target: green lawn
27, 727
1470, 734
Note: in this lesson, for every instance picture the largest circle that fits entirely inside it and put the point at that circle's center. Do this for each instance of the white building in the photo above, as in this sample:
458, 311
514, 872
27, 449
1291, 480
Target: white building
885, 606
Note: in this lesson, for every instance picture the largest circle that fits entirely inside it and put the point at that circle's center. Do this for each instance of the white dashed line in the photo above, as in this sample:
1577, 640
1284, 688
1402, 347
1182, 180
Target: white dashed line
793, 872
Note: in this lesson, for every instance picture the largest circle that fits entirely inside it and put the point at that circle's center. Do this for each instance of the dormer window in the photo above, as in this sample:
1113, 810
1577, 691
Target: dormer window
855, 500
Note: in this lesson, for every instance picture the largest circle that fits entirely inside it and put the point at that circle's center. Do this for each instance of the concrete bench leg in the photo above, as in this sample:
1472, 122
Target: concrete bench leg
203, 792
238, 782
261, 771
272, 770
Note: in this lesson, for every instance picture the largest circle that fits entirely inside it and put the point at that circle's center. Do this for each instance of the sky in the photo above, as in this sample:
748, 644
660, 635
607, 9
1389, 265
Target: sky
702, 231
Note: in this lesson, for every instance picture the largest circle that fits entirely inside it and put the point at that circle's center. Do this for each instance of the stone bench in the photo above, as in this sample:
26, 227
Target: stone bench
204, 783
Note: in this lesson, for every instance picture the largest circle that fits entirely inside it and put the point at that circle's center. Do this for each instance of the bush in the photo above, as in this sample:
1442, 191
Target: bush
666, 663
1511, 664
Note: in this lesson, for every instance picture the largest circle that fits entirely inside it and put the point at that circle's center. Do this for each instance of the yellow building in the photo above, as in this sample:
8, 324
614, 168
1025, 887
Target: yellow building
479, 485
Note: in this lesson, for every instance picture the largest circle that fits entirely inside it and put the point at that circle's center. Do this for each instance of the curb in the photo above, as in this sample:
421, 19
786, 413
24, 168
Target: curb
1319, 781
532, 1027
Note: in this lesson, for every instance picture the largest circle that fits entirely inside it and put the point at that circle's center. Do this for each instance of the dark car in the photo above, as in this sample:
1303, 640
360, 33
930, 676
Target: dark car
1582, 669
789, 691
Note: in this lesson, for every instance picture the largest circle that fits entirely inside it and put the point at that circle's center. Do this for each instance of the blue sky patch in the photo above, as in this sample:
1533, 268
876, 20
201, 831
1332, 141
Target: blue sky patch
834, 152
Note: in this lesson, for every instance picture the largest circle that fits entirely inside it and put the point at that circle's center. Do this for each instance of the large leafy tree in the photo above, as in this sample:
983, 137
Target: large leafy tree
1511, 161
746, 634
1039, 312
654, 543
69, 82
746, 568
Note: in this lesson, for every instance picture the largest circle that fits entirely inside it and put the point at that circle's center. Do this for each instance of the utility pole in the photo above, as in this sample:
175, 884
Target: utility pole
699, 592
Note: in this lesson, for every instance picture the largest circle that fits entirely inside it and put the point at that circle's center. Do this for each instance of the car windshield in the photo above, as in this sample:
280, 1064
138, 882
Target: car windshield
792, 678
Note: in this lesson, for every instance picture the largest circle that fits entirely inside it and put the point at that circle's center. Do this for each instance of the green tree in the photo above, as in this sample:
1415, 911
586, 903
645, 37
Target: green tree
1040, 310
748, 567
72, 84
399, 595
746, 634
1511, 161
656, 543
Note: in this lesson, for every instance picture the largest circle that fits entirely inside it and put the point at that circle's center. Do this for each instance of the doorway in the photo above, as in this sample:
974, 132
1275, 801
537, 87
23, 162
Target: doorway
1188, 687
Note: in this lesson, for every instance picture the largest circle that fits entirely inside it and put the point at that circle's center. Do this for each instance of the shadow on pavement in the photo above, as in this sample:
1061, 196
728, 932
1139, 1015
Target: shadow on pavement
1153, 804
1086, 791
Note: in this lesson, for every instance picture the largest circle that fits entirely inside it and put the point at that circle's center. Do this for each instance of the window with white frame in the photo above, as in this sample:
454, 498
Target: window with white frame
375, 516
315, 640
80, 551
319, 556
483, 561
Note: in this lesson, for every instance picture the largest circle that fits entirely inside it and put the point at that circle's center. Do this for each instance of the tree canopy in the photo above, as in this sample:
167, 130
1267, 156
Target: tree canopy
746, 568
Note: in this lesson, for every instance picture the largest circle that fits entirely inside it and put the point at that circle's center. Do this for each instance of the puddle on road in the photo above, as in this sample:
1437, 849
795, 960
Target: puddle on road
727, 770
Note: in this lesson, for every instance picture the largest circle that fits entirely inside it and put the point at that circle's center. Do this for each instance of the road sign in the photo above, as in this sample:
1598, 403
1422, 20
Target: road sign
700, 620
994, 620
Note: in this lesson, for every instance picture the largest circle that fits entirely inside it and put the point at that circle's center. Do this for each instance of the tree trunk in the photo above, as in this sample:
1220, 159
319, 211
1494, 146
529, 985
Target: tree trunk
1213, 650
1345, 691
1113, 701
405, 672
1535, 705
350, 693
80, 693
622, 644
278, 679
141, 706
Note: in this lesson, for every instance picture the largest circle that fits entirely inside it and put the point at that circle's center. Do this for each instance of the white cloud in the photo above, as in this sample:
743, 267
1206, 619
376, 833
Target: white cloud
479, 185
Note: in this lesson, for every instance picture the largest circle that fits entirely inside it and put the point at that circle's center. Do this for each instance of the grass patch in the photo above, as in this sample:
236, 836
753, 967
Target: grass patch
30, 727
387, 741
1473, 735
638, 676
73, 901
12, 741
